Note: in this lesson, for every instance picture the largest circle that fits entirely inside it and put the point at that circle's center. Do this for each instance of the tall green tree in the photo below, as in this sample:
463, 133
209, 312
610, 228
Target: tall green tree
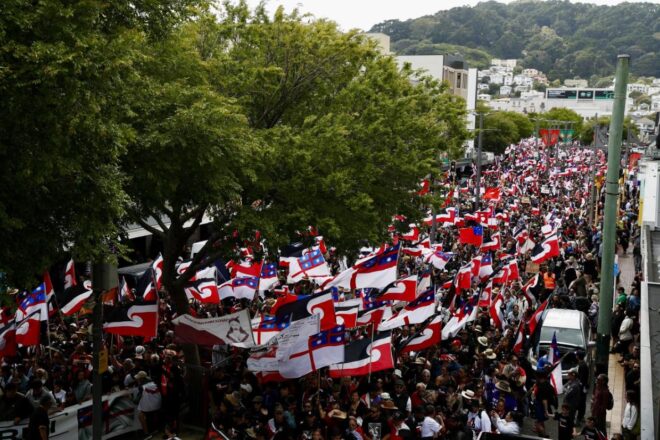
500, 131
277, 123
66, 71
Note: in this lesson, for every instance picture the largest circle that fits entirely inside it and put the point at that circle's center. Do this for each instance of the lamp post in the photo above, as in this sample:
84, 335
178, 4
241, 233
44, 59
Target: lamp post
610, 215
479, 149
104, 277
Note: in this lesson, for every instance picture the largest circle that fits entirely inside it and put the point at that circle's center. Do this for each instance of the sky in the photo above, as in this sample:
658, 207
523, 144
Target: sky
363, 14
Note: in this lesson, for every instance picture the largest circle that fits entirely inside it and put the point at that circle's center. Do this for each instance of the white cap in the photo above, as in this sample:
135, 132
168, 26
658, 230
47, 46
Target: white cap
398, 374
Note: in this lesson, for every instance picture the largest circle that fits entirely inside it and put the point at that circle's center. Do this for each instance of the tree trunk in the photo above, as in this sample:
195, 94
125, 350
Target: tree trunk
194, 372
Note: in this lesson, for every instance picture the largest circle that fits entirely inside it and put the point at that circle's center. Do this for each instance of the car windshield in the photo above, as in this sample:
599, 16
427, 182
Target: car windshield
569, 336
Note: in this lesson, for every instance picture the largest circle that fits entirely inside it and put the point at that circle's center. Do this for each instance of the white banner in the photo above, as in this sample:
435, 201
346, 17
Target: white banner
234, 329
75, 422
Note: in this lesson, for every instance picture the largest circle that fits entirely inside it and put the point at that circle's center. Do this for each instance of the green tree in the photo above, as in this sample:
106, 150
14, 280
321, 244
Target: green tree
65, 81
558, 117
277, 123
500, 131
586, 134
524, 126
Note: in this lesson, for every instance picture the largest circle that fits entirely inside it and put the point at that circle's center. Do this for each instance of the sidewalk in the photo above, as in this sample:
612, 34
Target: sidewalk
616, 372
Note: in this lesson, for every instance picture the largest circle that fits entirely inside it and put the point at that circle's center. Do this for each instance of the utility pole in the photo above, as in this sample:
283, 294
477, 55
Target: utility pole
104, 277
536, 131
610, 217
477, 185
592, 192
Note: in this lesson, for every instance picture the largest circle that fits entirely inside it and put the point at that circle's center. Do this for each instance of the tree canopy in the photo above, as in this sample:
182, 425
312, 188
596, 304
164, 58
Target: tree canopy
66, 76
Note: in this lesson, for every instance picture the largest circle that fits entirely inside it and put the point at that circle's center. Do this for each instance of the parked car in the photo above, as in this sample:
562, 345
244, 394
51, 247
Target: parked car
573, 331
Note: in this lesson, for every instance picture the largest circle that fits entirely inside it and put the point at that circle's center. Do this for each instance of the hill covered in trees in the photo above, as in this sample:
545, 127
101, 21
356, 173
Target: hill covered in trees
563, 39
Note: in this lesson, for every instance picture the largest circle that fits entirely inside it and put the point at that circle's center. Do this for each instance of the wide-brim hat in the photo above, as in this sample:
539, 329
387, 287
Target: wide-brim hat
233, 399
490, 354
477, 328
468, 394
503, 385
482, 340
389, 405
141, 375
420, 361
338, 414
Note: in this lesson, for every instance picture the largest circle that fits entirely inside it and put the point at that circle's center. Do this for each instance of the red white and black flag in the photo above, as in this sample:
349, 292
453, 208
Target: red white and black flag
363, 356
427, 337
303, 307
135, 319
73, 298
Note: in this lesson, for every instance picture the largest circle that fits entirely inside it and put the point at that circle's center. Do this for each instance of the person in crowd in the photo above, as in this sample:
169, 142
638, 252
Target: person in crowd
449, 389
630, 425
507, 425
39, 426
601, 402
149, 401
14, 406
565, 422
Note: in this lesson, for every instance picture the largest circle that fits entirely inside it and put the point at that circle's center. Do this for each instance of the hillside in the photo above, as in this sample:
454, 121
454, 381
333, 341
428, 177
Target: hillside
562, 39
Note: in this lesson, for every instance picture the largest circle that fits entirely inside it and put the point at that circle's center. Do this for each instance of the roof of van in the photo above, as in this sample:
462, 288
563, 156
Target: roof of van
563, 318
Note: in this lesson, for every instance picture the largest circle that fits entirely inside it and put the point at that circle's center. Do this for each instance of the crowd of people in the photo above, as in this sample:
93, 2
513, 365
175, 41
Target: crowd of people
471, 383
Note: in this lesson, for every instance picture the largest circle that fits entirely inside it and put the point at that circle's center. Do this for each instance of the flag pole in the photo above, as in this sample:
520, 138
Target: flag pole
50, 353
371, 349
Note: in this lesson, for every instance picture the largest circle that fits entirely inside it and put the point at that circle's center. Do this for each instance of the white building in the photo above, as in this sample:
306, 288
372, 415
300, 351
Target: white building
507, 64
497, 78
523, 80
638, 87
645, 125
522, 88
579, 83
505, 90
508, 80
586, 102
531, 72
443, 68
484, 97
383, 41
655, 103
483, 86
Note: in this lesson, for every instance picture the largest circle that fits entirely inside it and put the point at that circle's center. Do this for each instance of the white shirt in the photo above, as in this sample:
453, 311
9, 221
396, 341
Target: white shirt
504, 427
430, 427
150, 399
630, 415
624, 331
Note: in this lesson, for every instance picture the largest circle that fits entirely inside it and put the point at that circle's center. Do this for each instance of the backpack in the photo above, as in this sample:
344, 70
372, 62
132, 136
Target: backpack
610, 400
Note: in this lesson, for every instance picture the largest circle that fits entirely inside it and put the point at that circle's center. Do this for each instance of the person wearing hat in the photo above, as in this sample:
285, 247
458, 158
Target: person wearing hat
401, 398
149, 401
477, 417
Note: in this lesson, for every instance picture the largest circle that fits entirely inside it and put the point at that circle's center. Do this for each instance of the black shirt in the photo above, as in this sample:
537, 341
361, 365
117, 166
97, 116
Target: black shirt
589, 433
39, 418
564, 426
